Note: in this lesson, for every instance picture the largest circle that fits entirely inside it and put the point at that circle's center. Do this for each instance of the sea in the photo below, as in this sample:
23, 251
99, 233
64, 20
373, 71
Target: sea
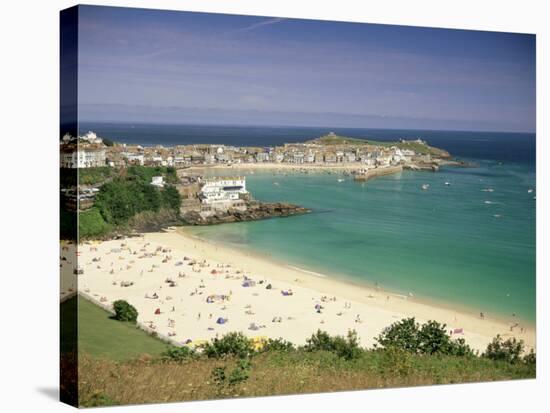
468, 242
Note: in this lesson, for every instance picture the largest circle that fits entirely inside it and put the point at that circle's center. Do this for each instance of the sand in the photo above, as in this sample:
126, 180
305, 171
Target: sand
283, 167
151, 261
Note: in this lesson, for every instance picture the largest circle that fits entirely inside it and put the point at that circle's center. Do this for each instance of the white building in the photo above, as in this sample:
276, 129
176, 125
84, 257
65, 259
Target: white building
262, 157
82, 156
91, 137
209, 158
223, 189
349, 157
158, 181
134, 158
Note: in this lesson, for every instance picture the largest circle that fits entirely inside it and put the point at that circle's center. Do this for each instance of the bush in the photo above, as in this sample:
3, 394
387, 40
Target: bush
509, 350
347, 348
429, 338
240, 373
178, 353
530, 359
433, 338
401, 334
459, 348
395, 361
92, 224
232, 344
278, 344
125, 311
225, 383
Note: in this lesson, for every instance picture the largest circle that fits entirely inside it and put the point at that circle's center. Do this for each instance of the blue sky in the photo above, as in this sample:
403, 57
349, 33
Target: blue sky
177, 67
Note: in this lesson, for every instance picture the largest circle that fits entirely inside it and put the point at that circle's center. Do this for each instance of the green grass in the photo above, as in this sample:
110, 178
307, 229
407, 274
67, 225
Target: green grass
278, 373
112, 369
103, 337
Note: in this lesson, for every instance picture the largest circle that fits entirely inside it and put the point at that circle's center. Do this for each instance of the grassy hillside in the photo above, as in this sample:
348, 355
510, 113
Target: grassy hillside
278, 373
100, 336
120, 364
334, 140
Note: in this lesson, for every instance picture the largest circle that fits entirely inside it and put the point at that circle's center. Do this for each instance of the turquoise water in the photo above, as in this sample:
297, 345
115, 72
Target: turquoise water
444, 244
452, 243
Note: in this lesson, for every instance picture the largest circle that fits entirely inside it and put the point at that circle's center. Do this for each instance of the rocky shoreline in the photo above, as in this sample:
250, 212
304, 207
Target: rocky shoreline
254, 211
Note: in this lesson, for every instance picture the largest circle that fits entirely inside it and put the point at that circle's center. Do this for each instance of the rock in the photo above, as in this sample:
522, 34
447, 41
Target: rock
255, 211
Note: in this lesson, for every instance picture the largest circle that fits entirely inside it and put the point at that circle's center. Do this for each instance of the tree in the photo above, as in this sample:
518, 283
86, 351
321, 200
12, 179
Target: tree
232, 344
509, 350
171, 198
125, 311
433, 338
402, 334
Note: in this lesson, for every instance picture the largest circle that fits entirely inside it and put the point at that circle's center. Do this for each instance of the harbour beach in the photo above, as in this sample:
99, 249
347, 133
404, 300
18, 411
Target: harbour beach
227, 289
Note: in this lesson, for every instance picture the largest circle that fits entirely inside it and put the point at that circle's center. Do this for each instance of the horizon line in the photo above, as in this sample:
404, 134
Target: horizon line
252, 125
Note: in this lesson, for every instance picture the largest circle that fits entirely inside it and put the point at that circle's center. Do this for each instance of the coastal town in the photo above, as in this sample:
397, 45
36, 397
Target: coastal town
328, 150
208, 199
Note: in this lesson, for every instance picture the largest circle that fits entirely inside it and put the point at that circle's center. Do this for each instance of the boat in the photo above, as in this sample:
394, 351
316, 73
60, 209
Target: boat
530, 190
341, 180
447, 183
425, 187
487, 190
276, 183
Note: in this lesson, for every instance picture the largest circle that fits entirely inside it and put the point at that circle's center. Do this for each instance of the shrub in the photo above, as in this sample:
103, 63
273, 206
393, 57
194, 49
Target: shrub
429, 338
345, 347
178, 353
321, 340
530, 359
224, 382
461, 349
509, 350
232, 344
433, 338
125, 311
401, 334
395, 361
92, 224
278, 344
240, 373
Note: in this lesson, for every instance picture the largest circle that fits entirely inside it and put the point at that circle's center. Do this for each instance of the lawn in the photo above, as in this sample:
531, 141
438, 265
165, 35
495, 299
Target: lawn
102, 337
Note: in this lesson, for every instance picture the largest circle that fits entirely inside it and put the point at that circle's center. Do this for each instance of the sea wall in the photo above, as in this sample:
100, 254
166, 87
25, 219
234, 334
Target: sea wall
373, 173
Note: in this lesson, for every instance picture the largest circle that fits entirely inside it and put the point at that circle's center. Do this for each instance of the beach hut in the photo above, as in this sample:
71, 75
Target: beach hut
221, 320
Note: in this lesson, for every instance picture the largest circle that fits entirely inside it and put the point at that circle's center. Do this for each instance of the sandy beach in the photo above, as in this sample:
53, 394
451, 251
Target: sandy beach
284, 167
189, 290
